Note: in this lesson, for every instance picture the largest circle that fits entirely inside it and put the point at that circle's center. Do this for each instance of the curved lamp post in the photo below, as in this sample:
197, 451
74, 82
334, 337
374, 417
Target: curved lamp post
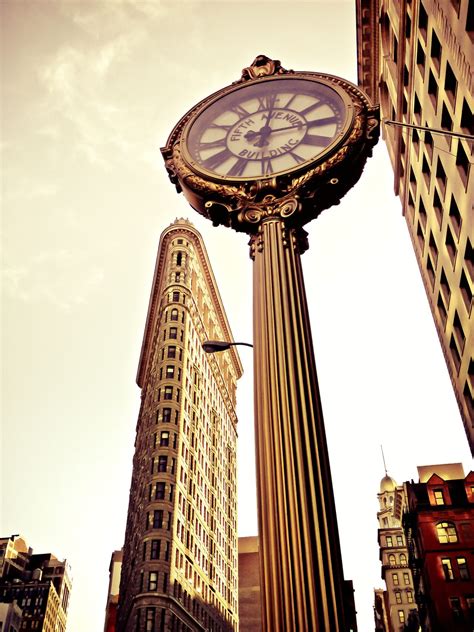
214, 346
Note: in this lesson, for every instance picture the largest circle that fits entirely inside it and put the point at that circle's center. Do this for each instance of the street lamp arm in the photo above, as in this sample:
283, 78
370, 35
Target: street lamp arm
214, 346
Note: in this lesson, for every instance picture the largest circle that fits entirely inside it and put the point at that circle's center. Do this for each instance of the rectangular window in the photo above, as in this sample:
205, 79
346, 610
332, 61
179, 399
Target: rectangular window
176, 297
395, 579
409, 596
160, 490
466, 291
462, 163
399, 540
438, 207
446, 120
451, 245
152, 580
455, 353
438, 496
168, 392
467, 116
441, 178
389, 540
164, 438
155, 549
170, 371
150, 620
447, 569
420, 58
455, 604
166, 415
173, 333
158, 519
463, 568
401, 616
406, 579
458, 332
435, 50
432, 89
417, 110
171, 351
162, 463
398, 597
423, 20
450, 83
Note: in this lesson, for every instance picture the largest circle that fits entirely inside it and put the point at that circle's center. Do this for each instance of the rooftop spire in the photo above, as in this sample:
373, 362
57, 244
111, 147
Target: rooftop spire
383, 457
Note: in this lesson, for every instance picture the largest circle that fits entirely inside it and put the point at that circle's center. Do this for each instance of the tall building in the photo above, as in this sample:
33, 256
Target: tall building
115, 570
415, 58
179, 568
396, 605
439, 525
39, 583
250, 610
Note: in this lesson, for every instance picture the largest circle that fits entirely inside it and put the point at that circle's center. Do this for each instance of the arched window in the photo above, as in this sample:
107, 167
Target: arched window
391, 560
179, 258
446, 532
174, 314
403, 558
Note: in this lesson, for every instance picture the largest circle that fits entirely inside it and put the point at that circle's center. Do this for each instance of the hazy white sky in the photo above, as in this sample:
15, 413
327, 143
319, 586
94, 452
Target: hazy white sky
90, 91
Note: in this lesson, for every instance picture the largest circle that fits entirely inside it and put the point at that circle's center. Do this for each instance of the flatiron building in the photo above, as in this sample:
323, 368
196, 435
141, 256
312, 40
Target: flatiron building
180, 555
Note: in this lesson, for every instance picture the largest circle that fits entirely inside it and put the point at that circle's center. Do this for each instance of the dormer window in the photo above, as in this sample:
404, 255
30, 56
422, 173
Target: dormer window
438, 496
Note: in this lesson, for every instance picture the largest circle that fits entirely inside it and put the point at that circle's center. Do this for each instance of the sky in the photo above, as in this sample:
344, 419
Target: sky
90, 91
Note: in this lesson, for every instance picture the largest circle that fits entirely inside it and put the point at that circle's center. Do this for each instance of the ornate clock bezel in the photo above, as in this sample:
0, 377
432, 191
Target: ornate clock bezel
202, 172
298, 194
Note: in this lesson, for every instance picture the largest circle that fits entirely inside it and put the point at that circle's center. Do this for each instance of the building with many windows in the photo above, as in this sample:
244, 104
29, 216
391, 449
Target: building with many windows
439, 526
39, 584
415, 58
179, 569
395, 608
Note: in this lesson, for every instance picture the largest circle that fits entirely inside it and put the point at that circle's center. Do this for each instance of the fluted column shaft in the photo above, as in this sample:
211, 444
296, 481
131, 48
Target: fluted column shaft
300, 561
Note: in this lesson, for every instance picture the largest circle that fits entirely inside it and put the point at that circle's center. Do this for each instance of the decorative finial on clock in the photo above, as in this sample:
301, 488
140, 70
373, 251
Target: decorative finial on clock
262, 66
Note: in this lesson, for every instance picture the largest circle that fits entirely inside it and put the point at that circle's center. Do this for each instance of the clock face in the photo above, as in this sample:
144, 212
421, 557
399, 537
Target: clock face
267, 128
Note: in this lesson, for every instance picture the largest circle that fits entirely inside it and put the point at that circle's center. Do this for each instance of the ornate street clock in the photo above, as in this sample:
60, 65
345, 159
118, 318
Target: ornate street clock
266, 155
274, 135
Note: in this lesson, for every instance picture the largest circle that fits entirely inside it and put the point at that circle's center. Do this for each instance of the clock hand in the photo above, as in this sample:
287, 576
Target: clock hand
266, 130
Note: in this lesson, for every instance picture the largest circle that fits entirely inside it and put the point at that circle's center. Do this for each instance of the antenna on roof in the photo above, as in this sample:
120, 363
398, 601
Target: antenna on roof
383, 457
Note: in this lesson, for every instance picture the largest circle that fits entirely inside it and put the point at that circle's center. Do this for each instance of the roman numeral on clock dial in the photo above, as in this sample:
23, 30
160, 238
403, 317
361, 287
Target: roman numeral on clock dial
322, 121
217, 159
267, 168
316, 140
239, 110
266, 102
238, 168
212, 144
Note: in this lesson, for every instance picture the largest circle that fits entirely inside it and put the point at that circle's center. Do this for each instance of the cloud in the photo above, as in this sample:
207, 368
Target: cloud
88, 114
62, 278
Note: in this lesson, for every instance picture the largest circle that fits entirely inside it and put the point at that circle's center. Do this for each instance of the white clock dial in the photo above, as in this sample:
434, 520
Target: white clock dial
267, 128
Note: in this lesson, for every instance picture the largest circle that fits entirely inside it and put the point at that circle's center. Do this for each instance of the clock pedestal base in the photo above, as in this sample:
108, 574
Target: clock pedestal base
300, 561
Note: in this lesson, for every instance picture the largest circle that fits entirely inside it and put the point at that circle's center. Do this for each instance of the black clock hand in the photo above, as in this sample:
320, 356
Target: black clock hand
266, 130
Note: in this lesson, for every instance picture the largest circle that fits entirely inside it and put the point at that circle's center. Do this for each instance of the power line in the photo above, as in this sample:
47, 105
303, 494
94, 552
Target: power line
428, 129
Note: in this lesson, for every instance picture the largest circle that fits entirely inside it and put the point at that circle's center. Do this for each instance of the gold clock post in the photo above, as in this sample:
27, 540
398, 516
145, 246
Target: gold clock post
301, 568
300, 560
